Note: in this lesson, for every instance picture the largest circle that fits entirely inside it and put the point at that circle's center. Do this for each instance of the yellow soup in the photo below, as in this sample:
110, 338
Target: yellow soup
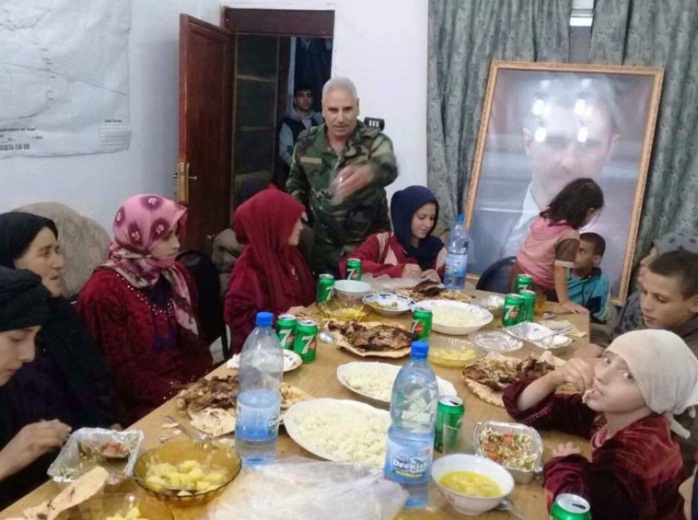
470, 483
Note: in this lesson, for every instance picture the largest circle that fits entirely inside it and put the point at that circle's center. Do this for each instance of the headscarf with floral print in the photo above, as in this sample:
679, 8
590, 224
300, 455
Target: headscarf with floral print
140, 224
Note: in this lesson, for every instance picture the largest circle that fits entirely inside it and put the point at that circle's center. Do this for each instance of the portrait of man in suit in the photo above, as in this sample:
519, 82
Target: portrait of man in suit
545, 129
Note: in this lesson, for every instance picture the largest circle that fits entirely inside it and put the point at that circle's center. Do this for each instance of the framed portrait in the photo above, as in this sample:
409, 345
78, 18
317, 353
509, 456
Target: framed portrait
544, 125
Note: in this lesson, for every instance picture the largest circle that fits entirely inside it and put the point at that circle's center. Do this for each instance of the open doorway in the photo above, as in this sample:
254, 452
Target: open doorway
236, 83
277, 94
275, 51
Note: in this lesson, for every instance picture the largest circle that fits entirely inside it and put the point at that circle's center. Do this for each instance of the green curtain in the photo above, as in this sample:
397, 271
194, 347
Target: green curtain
660, 33
464, 37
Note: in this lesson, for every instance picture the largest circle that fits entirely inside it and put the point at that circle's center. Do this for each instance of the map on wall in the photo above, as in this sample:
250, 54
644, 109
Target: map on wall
63, 77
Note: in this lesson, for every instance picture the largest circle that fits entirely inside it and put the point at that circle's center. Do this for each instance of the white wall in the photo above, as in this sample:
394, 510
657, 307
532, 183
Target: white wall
380, 44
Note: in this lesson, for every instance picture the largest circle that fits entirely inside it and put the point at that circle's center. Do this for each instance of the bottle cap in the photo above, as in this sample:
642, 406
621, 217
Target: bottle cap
460, 218
264, 319
419, 349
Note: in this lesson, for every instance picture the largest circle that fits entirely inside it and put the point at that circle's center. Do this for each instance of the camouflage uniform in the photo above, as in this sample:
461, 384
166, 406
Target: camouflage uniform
339, 228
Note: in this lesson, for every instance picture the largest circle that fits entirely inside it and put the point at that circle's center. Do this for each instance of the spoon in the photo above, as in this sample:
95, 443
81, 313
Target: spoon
196, 436
506, 505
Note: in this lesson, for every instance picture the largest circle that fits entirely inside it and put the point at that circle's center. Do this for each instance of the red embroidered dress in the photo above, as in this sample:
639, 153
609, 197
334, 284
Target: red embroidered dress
149, 354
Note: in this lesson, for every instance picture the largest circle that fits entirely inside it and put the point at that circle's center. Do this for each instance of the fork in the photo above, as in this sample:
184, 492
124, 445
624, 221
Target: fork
196, 436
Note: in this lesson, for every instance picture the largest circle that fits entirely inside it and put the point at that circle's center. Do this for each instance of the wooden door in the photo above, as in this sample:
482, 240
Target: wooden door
205, 110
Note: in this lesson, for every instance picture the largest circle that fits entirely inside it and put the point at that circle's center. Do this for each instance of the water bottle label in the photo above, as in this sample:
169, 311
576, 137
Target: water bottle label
255, 423
408, 464
456, 265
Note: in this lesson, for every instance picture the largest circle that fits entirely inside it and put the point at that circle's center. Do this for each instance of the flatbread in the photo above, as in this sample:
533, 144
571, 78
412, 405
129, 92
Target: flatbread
429, 290
291, 395
342, 342
492, 374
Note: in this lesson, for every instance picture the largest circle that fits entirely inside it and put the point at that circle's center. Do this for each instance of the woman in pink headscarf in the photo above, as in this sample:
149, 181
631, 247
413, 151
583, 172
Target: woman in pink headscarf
140, 307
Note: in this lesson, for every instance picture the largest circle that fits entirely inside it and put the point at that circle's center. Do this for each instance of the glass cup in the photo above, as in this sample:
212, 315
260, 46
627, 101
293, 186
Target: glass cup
453, 440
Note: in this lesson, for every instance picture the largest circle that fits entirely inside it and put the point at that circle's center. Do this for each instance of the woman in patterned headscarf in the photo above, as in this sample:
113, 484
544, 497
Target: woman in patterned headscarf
141, 306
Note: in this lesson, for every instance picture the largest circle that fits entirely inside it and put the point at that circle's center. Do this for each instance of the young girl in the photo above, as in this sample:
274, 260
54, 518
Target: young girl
141, 307
551, 246
270, 274
409, 251
636, 468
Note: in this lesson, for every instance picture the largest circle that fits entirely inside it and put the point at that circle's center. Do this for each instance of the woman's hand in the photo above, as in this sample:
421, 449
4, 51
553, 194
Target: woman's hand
574, 308
431, 274
562, 450
30, 443
411, 271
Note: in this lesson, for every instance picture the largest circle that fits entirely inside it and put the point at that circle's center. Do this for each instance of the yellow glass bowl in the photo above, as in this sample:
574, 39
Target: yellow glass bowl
211, 454
452, 352
343, 310
100, 507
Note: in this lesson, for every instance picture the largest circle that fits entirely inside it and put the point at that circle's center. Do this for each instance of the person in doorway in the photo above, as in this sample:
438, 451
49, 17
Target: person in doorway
270, 274
67, 381
410, 250
299, 118
340, 171
141, 307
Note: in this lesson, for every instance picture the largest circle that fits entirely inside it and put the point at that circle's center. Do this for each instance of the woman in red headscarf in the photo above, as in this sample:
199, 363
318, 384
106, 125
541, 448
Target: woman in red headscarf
140, 307
270, 274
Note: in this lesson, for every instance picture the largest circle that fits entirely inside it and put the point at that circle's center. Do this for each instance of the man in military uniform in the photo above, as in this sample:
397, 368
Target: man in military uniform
340, 171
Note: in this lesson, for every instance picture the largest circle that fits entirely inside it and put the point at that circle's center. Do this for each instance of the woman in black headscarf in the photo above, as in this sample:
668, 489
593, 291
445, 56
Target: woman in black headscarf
68, 380
410, 250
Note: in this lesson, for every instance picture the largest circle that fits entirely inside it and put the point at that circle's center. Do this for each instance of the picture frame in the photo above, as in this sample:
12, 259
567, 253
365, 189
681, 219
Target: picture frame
545, 124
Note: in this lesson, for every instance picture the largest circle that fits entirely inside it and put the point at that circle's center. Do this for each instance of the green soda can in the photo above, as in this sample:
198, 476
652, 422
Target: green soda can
285, 330
449, 418
521, 282
570, 507
421, 323
325, 288
529, 304
306, 340
353, 269
511, 314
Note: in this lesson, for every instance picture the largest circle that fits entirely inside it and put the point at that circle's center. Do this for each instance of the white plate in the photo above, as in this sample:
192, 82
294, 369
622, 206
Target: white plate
478, 317
335, 422
383, 370
388, 304
291, 361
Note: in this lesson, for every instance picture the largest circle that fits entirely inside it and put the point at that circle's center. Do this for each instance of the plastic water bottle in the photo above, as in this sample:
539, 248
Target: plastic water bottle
259, 400
457, 246
410, 446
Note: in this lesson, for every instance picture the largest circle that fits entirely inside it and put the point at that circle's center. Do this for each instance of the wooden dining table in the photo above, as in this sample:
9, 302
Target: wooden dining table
319, 379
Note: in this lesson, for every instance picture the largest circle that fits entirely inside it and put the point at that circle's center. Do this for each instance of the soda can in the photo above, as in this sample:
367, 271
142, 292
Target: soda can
353, 269
285, 329
305, 341
421, 323
325, 288
449, 412
521, 282
511, 314
529, 304
570, 507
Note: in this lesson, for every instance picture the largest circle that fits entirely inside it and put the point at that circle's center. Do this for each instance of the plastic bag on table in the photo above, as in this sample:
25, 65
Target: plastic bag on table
297, 487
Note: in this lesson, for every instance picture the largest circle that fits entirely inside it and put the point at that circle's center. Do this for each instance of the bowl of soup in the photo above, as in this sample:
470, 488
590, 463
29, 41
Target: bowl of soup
471, 484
